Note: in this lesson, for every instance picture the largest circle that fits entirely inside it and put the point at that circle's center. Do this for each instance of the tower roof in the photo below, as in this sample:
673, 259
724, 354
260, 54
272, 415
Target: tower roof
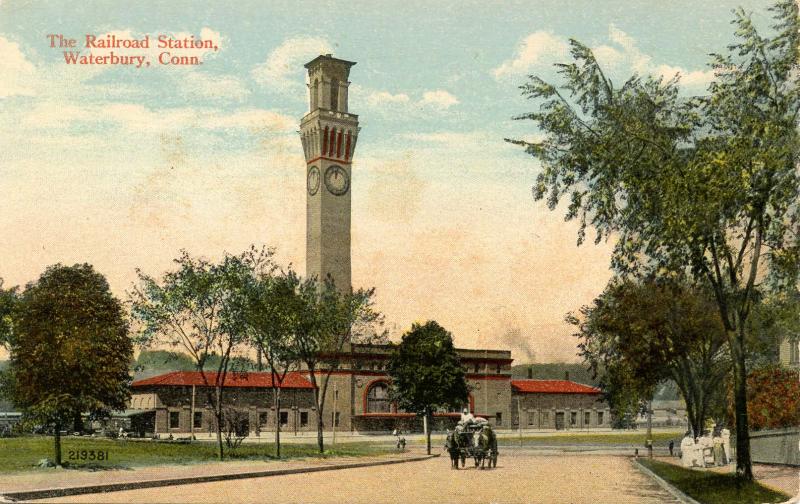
328, 58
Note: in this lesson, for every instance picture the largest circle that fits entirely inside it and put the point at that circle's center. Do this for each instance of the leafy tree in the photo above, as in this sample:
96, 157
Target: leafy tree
71, 349
326, 322
199, 308
640, 334
8, 300
774, 398
271, 315
427, 373
707, 185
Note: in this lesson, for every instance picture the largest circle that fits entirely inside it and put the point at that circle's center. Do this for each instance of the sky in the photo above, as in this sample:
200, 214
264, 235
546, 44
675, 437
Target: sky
123, 167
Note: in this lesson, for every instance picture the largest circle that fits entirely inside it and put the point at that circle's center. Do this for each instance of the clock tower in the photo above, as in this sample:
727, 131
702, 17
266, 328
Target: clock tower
328, 133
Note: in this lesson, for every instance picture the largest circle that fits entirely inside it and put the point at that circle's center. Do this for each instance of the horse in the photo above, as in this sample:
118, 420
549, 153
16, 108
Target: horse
485, 443
453, 448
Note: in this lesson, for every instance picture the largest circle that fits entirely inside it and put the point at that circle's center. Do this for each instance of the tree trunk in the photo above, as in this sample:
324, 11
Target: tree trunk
428, 425
77, 422
318, 402
744, 466
277, 397
57, 444
218, 414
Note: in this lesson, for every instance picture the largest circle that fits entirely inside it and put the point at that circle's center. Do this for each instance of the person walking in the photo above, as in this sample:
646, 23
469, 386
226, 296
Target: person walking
671, 447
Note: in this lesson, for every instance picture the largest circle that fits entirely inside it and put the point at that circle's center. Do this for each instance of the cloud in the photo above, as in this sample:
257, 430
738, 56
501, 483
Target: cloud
17, 74
282, 69
387, 102
620, 55
438, 99
625, 55
378, 98
537, 49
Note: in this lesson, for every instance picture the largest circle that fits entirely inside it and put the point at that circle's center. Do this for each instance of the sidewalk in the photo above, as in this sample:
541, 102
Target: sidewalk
59, 478
785, 479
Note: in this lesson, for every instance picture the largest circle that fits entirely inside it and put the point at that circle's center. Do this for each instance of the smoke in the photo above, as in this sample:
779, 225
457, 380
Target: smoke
519, 343
507, 333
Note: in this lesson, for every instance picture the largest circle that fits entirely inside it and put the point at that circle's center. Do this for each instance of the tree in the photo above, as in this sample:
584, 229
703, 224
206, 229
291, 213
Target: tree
640, 334
426, 372
8, 300
326, 322
707, 185
271, 315
71, 350
199, 307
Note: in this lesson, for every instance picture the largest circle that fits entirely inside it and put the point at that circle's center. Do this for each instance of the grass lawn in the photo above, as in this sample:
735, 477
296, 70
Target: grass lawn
22, 453
713, 488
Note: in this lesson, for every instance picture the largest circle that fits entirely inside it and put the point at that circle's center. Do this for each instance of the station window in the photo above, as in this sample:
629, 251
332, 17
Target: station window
531, 418
174, 419
499, 418
477, 367
198, 419
545, 420
303, 418
335, 419
573, 418
284, 418
599, 418
263, 418
587, 418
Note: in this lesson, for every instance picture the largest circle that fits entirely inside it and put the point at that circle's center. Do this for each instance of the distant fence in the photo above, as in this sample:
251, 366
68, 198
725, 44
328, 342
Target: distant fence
779, 446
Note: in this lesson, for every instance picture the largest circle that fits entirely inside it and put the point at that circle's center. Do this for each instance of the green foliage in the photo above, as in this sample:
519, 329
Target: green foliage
8, 301
637, 335
426, 371
324, 322
200, 307
71, 349
706, 185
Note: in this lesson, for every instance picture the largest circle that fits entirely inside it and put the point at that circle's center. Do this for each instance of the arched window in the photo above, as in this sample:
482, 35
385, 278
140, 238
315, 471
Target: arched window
378, 398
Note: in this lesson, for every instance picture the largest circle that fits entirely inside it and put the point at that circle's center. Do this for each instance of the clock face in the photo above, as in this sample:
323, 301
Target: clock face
336, 180
313, 180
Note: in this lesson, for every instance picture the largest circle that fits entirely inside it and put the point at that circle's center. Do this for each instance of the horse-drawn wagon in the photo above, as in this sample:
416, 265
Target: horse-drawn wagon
477, 441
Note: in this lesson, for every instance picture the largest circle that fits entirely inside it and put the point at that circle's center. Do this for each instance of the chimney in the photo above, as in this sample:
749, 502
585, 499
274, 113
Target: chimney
530, 372
566, 375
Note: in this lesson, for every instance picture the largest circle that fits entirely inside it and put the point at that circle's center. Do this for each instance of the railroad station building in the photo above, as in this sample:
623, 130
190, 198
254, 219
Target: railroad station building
358, 399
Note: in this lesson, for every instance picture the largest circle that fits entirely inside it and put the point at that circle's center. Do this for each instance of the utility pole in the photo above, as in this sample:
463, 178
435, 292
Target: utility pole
519, 419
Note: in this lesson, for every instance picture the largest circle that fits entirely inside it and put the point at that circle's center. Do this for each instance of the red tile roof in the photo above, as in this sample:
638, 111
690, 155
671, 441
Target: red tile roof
552, 387
232, 379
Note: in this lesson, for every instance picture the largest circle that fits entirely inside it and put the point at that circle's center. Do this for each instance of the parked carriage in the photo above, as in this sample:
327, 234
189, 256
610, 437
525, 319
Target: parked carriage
472, 440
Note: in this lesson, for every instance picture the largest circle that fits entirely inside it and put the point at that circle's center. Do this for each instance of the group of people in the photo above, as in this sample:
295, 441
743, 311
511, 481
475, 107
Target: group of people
711, 449
468, 419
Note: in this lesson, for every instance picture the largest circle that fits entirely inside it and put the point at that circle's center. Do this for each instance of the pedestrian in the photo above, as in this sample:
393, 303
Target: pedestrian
671, 447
